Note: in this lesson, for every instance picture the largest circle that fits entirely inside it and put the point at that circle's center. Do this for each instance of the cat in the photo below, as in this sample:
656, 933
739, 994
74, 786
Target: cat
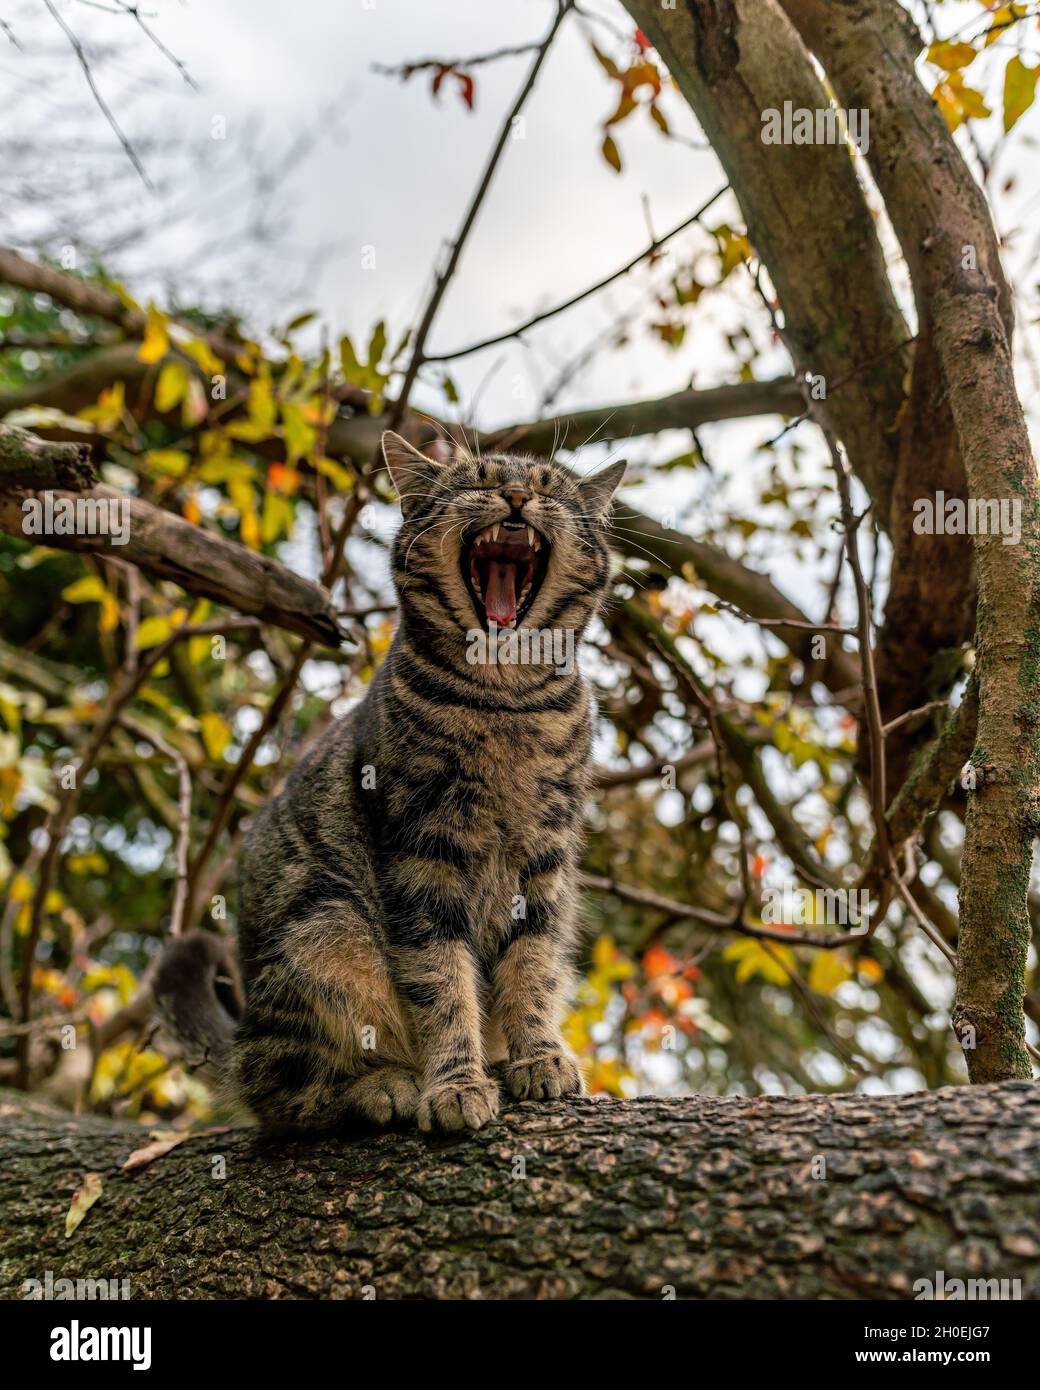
407, 903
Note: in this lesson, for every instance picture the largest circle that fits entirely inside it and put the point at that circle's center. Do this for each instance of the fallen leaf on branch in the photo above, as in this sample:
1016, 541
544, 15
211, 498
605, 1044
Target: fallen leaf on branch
84, 1199
163, 1140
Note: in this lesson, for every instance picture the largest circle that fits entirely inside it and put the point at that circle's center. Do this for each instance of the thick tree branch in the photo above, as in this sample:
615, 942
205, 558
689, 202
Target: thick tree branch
796, 1197
28, 461
806, 215
167, 546
682, 410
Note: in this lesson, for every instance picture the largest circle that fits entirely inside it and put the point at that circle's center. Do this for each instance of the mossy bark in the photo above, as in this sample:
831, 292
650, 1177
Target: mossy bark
781, 1197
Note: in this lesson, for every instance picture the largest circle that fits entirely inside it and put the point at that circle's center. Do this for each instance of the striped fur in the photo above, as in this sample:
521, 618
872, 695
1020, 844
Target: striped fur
408, 900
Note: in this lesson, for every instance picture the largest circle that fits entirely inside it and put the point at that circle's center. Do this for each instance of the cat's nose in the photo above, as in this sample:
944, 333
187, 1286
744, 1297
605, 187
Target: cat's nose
516, 496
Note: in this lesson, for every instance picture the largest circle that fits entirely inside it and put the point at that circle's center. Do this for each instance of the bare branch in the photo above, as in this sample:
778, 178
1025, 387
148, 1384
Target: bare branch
444, 276
651, 250
81, 58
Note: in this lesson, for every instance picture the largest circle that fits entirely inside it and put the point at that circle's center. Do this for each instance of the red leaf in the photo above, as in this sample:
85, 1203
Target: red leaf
466, 86
642, 42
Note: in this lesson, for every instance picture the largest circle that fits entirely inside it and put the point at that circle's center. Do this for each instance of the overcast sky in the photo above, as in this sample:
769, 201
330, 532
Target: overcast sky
392, 169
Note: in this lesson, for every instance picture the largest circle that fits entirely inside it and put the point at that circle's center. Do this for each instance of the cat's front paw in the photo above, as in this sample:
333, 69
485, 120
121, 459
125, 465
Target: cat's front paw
547, 1077
455, 1105
385, 1095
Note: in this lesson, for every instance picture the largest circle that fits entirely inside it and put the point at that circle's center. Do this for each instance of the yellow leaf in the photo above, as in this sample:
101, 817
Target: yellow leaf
950, 56
299, 436
152, 631
1003, 17
734, 248
829, 969
262, 407
88, 1193
171, 387
341, 478
89, 589
957, 102
248, 431
21, 889
201, 354
610, 153
109, 408
156, 340
91, 863
277, 517
215, 735
109, 619
775, 962
249, 526
172, 462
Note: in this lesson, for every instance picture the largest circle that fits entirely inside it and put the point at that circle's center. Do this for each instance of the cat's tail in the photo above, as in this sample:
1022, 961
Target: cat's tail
198, 997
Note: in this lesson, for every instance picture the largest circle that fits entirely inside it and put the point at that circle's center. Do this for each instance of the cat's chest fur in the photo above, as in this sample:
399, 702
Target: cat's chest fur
494, 793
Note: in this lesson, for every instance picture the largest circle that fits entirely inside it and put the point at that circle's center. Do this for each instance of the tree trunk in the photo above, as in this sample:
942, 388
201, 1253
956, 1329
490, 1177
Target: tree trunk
944, 227
780, 1197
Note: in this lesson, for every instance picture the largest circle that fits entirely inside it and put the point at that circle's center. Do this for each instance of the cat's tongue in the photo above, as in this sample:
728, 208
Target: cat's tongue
500, 594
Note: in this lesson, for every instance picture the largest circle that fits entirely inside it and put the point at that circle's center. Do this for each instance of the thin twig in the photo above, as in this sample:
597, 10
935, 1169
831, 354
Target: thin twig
532, 322
183, 814
81, 56
444, 277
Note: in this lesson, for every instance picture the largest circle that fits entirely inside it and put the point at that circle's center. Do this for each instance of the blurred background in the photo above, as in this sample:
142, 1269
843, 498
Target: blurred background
292, 178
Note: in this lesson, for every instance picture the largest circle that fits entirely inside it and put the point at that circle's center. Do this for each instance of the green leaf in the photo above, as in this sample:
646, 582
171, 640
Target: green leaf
1019, 90
377, 345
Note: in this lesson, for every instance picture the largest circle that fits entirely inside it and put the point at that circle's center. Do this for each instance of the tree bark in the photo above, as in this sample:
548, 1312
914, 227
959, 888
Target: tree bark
964, 305
780, 1197
806, 216
164, 544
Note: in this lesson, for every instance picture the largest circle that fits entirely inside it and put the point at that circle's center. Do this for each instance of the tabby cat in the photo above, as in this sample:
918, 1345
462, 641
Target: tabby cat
407, 902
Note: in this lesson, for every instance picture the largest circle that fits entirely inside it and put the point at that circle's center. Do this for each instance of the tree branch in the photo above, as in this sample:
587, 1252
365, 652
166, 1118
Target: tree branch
444, 276
682, 410
30, 462
201, 563
789, 1197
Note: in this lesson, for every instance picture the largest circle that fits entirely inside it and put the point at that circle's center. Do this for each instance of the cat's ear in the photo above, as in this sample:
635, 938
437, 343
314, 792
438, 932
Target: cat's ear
412, 472
598, 488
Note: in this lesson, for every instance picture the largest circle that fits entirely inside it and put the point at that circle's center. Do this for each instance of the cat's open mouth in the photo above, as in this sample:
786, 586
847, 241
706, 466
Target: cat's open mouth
503, 566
